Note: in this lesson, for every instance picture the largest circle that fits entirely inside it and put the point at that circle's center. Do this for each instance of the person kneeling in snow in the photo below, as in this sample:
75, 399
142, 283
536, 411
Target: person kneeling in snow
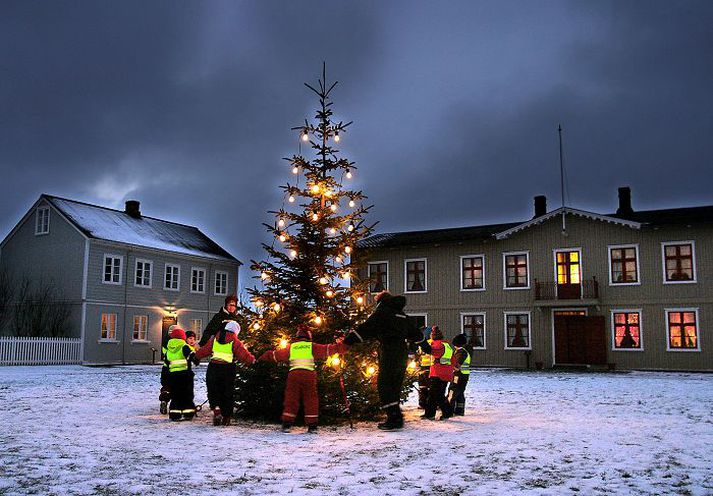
225, 349
180, 376
302, 378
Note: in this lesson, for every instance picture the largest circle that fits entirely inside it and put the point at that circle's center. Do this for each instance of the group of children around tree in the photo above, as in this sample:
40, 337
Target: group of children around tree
441, 365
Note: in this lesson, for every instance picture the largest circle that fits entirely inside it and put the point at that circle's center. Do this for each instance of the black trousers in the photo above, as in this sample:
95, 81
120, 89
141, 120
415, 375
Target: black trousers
181, 385
220, 381
456, 393
437, 398
423, 382
392, 369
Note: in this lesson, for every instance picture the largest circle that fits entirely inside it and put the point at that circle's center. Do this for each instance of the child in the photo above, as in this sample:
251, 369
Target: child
302, 378
224, 349
425, 367
191, 340
440, 374
180, 376
461, 373
165, 395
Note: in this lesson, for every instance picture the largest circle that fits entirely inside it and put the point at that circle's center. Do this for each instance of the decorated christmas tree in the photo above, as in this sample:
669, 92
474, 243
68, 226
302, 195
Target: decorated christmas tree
309, 277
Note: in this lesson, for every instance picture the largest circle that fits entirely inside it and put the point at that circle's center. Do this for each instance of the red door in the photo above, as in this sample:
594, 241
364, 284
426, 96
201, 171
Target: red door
580, 340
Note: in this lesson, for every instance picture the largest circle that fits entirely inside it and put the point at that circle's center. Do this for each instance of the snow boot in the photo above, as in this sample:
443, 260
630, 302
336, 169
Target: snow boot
286, 426
312, 429
164, 407
217, 417
394, 420
226, 420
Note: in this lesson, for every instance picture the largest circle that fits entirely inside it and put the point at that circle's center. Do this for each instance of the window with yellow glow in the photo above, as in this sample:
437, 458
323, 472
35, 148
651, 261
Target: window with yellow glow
682, 330
568, 267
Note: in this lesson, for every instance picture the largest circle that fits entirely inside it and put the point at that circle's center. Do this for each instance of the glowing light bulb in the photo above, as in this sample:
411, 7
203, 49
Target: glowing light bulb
347, 249
412, 365
283, 238
283, 343
346, 275
351, 203
338, 259
264, 276
295, 170
291, 199
333, 207
276, 307
350, 228
329, 293
281, 223
318, 320
323, 280
293, 253
336, 137
328, 193
349, 174
315, 217
333, 231
360, 300
256, 326
305, 135
335, 361
370, 370
315, 188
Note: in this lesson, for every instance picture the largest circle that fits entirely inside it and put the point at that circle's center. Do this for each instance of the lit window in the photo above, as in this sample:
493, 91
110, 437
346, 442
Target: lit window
144, 268
624, 264
108, 328
627, 329
517, 330
472, 272
679, 262
112, 269
568, 267
221, 283
416, 276
172, 277
682, 329
197, 327
141, 327
197, 280
516, 270
473, 326
378, 274
42, 221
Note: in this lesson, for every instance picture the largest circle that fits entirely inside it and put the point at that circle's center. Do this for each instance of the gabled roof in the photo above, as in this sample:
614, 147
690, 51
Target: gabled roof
567, 211
433, 236
116, 226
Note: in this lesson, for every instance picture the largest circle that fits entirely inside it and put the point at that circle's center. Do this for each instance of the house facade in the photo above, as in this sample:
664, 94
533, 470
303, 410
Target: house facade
630, 290
125, 277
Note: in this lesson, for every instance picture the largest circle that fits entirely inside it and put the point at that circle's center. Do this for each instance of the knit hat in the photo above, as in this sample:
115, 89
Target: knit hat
178, 333
190, 334
303, 332
231, 298
436, 333
459, 340
233, 327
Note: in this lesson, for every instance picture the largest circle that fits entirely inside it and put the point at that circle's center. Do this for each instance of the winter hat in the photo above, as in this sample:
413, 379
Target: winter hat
436, 333
233, 327
190, 334
231, 298
303, 332
459, 340
178, 333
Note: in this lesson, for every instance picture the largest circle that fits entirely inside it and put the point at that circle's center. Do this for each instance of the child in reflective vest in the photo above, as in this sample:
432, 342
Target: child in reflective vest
461, 373
180, 376
425, 367
440, 374
224, 349
302, 378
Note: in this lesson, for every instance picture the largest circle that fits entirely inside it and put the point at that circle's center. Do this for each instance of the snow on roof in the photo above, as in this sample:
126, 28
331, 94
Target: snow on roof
117, 226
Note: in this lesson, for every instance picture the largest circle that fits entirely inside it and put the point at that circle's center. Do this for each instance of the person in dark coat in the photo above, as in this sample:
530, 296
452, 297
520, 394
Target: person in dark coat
392, 328
461, 374
226, 314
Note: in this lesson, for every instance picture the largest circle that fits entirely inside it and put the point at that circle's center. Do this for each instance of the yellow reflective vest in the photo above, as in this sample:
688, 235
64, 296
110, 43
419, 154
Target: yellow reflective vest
222, 352
465, 366
426, 360
301, 356
177, 362
447, 354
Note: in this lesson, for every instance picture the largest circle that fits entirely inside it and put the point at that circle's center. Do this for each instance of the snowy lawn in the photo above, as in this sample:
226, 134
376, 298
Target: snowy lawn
76, 430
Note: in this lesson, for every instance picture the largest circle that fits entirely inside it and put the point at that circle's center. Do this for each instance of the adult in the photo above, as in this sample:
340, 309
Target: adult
392, 328
226, 314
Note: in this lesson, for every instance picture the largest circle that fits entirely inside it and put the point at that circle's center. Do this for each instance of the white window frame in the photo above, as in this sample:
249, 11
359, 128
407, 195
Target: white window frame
136, 269
485, 327
121, 269
555, 251
145, 318
368, 273
698, 331
215, 282
613, 328
664, 244
116, 328
505, 272
178, 278
198, 329
197, 269
635, 246
419, 314
42, 221
425, 275
529, 329
460, 269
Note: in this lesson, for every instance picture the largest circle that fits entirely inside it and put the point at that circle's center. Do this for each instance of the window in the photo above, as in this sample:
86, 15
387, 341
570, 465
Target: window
108, 330
624, 265
679, 262
415, 275
515, 267
378, 272
517, 330
568, 267
221, 283
42, 221
421, 319
682, 326
141, 327
473, 326
472, 272
112, 269
172, 281
197, 280
197, 327
626, 329
144, 268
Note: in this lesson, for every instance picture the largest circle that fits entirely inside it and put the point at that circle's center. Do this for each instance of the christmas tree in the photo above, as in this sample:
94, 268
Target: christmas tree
309, 277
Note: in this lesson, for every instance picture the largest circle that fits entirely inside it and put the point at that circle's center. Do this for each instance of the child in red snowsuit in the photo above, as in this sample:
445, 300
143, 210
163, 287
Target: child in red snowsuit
302, 378
440, 375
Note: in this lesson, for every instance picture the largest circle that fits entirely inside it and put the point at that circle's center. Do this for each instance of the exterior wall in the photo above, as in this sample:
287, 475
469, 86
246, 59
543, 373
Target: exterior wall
444, 301
55, 258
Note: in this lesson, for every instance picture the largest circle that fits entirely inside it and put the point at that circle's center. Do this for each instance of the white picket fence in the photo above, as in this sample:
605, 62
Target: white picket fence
40, 351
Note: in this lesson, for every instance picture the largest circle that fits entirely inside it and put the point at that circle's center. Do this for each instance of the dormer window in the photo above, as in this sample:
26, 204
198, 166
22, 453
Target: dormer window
42, 221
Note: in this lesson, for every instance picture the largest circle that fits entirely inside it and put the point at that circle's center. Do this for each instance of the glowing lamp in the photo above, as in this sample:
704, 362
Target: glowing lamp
318, 320
360, 300
264, 276
333, 231
283, 238
281, 223
349, 174
336, 137
335, 361
370, 370
258, 303
276, 307
412, 365
346, 275
315, 189
295, 169
305, 135
256, 326
333, 207
329, 293
291, 199
347, 249
351, 203
350, 228
315, 217
293, 253
323, 280
283, 343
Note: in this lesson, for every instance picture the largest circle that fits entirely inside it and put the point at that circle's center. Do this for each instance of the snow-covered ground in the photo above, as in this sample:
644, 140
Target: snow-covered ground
75, 430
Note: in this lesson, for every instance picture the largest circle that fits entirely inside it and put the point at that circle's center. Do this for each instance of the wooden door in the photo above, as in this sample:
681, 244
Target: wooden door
580, 340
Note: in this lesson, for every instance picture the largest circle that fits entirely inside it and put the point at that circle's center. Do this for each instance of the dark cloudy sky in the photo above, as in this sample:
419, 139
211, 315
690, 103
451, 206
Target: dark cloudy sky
187, 106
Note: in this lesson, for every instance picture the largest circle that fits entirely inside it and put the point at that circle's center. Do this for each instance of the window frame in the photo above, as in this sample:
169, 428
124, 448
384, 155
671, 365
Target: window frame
215, 282
199, 331
635, 246
42, 220
694, 278
580, 264
368, 274
505, 273
425, 275
198, 269
178, 278
151, 271
113, 256
697, 349
485, 327
419, 314
101, 330
612, 322
135, 339
529, 330
460, 269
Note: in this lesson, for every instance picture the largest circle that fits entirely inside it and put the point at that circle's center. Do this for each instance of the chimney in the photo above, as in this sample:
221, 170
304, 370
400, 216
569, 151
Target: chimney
132, 209
540, 206
624, 201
